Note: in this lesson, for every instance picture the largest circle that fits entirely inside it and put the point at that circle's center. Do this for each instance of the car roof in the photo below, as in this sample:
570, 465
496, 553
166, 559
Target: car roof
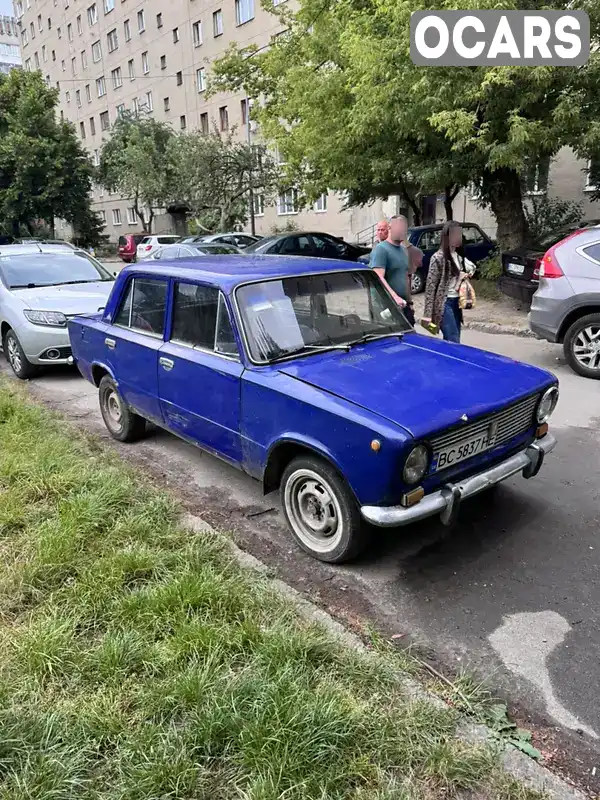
28, 249
229, 271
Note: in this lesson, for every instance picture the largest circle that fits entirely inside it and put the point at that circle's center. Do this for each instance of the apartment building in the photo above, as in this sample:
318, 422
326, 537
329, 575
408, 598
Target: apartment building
10, 52
155, 55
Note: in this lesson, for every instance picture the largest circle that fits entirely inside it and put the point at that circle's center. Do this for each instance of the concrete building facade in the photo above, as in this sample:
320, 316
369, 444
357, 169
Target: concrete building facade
10, 52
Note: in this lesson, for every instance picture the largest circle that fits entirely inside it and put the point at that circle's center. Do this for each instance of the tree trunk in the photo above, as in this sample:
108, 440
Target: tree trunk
507, 204
150, 220
16, 228
450, 193
223, 220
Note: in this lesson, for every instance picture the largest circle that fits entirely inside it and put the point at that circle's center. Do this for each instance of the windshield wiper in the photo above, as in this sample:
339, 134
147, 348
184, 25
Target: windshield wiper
74, 283
313, 348
27, 286
373, 337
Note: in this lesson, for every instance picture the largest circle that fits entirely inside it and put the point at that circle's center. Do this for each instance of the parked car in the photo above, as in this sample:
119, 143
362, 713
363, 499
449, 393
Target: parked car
319, 245
40, 289
239, 240
183, 250
521, 266
566, 306
127, 247
149, 244
53, 242
314, 383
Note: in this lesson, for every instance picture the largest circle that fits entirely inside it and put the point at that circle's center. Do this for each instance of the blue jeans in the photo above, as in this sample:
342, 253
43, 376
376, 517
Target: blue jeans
451, 320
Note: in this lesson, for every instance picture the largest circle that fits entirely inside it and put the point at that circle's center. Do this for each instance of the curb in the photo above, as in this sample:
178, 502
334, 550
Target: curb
507, 330
513, 762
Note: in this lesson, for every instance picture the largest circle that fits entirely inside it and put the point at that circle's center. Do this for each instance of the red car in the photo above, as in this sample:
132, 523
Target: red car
128, 246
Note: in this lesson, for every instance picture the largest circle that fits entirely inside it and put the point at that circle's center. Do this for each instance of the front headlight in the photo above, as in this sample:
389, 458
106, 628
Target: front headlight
416, 464
54, 319
547, 405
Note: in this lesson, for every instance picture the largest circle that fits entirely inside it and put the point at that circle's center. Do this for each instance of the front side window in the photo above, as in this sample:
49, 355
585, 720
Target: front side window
472, 235
301, 314
200, 319
50, 269
143, 307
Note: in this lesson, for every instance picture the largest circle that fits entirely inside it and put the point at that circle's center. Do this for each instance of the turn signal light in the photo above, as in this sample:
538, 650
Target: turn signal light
412, 498
541, 431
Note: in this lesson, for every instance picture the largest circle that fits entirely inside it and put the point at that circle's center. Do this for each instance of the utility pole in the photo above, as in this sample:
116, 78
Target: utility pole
251, 187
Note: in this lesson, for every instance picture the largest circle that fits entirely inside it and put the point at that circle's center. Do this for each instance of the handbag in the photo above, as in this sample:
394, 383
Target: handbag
466, 295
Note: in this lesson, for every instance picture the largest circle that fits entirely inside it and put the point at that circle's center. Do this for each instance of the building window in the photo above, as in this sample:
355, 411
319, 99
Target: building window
120, 109
49, 24
259, 205
70, 32
321, 204
84, 62
166, 104
141, 20
244, 110
82, 129
182, 122
591, 174
67, 96
78, 98
32, 30
201, 79
96, 52
197, 34
159, 22
136, 105
132, 218
163, 62
117, 216
96, 158
59, 32
28, 65
149, 103
63, 66
88, 93
117, 78
204, 122
131, 69
223, 118
287, 203
108, 6
104, 121
101, 86
535, 178
175, 35
92, 14
244, 11
24, 37
217, 23
40, 26
44, 53
179, 78
93, 130
36, 60
54, 55
102, 215
112, 40
127, 30
145, 67
79, 24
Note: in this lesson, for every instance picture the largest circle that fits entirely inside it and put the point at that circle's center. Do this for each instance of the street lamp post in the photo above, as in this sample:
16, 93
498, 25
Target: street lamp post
251, 187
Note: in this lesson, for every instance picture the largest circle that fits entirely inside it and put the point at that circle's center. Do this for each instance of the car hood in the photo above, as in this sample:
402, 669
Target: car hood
78, 298
420, 383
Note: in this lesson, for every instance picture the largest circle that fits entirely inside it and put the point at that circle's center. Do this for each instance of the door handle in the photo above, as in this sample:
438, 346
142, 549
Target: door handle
110, 343
166, 363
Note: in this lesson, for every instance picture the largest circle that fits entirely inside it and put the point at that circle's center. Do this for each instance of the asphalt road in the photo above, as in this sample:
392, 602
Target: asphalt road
512, 593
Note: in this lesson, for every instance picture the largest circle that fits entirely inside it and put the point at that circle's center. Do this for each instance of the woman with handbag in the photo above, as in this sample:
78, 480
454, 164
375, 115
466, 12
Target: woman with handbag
448, 288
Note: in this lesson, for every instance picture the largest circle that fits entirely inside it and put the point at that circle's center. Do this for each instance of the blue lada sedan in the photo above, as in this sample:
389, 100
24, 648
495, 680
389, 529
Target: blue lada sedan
306, 375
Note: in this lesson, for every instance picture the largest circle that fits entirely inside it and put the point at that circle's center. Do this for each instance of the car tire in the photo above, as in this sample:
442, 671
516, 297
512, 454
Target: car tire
122, 424
321, 511
13, 352
579, 345
417, 282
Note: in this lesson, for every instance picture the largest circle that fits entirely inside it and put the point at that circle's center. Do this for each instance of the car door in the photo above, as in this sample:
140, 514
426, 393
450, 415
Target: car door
133, 341
324, 247
199, 371
297, 245
475, 243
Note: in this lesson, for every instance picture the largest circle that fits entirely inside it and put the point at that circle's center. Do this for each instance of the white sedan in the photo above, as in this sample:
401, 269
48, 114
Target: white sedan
151, 243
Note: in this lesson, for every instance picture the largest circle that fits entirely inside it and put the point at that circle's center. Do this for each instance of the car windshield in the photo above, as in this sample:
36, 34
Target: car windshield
305, 313
51, 269
216, 249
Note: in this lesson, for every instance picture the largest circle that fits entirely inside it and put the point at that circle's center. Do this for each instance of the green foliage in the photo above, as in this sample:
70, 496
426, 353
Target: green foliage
44, 171
212, 176
548, 214
88, 230
491, 267
288, 226
351, 112
134, 163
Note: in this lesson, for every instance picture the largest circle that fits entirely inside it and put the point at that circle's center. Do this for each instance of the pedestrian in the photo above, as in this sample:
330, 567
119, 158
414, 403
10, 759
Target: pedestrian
415, 258
447, 271
382, 231
389, 259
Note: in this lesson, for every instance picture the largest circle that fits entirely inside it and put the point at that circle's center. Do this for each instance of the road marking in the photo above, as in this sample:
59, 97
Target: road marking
524, 642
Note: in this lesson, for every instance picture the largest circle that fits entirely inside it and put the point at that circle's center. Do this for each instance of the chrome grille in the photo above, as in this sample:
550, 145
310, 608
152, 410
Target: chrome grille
511, 422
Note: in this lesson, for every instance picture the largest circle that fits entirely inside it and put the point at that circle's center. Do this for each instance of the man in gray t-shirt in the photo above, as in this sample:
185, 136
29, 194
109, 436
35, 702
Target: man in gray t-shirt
390, 261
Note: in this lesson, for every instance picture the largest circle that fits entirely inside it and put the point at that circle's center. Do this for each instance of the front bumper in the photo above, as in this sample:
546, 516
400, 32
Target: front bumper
517, 289
446, 501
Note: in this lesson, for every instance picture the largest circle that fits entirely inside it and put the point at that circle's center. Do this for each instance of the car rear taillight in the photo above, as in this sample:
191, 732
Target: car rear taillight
549, 267
148, 247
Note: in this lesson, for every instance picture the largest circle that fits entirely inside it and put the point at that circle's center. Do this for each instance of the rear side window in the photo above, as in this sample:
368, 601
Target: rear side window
200, 319
166, 239
145, 240
122, 241
143, 307
593, 252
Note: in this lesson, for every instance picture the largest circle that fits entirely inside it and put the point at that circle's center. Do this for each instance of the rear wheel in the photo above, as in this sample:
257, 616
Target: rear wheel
417, 282
122, 423
321, 511
17, 359
582, 346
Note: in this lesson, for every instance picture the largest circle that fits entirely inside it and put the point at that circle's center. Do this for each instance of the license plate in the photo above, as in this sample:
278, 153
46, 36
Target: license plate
450, 456
516, 269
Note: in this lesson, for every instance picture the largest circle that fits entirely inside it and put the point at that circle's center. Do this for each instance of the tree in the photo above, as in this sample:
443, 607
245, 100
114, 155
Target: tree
214, 175
44, 171
345, 102
134, 162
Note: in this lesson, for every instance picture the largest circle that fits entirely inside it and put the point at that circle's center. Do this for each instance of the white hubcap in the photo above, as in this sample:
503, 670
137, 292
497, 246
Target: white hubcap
586, 347
13, 354
114, 410
313, 510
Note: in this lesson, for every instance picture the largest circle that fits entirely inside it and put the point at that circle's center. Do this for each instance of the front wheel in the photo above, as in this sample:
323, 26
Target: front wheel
123, 425
321, 511
582, 346
16, 357
417, 282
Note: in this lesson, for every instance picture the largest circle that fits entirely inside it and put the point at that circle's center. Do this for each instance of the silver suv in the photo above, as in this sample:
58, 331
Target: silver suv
566, 305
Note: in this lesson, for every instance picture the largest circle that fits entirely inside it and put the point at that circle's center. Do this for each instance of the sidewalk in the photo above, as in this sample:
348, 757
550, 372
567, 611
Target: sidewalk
490, 316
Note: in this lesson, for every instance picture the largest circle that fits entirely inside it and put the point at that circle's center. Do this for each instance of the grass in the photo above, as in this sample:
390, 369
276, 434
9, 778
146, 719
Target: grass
139, 661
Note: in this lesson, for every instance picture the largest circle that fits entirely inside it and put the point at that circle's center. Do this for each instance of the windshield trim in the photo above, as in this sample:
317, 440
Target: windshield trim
240, 319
